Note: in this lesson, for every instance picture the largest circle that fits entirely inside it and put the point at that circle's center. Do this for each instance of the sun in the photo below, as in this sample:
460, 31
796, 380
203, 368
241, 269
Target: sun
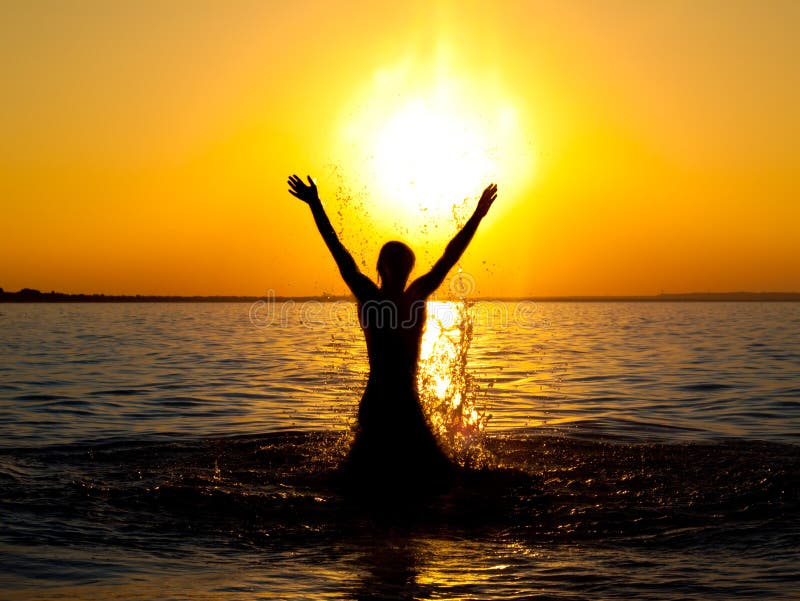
427, 156
423, 144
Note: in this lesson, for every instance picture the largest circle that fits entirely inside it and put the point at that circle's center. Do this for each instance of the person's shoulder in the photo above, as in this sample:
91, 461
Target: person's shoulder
364, 289
416, 292
371, 295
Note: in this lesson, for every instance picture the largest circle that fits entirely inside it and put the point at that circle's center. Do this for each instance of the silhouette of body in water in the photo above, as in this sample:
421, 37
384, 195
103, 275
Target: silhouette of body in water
393, 443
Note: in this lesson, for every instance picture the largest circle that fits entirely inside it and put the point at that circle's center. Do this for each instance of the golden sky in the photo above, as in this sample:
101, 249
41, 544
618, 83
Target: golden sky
639, 147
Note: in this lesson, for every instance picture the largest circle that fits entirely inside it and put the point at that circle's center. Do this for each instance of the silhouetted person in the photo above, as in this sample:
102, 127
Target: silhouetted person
393, 444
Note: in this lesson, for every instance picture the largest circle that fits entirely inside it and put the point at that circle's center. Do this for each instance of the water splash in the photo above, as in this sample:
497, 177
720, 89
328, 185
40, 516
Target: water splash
447, 390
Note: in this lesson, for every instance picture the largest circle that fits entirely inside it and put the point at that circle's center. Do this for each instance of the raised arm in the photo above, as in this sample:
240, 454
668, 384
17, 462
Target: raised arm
359, 284
425, 285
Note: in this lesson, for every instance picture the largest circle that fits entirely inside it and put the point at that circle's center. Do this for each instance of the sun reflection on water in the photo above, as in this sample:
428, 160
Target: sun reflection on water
447, 390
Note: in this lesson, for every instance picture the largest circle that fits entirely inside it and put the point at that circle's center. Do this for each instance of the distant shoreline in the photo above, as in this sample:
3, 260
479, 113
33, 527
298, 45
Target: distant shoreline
35, 296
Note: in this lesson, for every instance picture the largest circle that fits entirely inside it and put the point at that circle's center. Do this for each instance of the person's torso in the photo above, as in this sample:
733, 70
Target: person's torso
393, 331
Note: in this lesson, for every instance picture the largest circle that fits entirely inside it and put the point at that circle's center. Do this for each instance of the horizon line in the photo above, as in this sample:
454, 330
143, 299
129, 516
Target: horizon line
33, 295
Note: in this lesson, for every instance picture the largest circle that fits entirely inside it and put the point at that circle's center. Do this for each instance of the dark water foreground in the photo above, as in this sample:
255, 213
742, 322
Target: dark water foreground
259, 517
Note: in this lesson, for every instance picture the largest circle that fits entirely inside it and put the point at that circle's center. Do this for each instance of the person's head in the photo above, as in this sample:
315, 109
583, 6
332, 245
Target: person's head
395, 262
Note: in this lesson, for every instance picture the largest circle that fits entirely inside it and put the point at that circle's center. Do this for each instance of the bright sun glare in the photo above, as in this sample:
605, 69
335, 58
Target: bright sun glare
423, 145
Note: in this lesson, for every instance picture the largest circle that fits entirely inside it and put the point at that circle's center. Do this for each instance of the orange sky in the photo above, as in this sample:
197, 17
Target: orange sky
639, 147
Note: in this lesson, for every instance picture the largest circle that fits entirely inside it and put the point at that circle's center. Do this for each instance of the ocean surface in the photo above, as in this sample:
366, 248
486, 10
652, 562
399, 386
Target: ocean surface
190, 451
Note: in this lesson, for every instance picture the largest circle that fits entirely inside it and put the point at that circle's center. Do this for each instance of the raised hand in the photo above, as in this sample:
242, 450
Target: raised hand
307, 193
487, 198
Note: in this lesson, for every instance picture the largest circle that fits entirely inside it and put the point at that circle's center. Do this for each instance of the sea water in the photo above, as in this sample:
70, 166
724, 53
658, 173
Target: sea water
629, 450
